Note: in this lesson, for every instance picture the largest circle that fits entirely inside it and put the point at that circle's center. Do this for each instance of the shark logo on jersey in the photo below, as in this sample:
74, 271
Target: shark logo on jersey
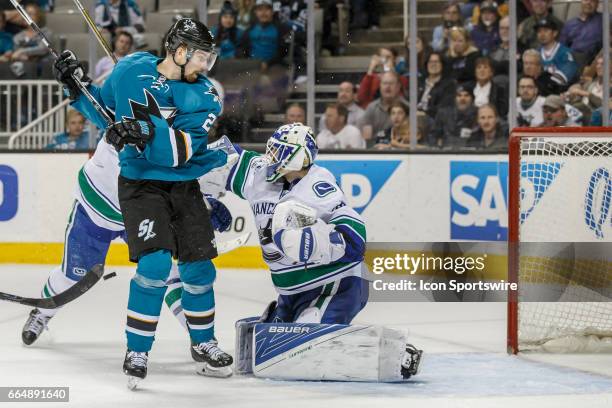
151, 110
159, 83
215, 94
145, 229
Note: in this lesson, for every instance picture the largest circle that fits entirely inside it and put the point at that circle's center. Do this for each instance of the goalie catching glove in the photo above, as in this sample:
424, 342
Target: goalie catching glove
132, 132
303, 237
68, 70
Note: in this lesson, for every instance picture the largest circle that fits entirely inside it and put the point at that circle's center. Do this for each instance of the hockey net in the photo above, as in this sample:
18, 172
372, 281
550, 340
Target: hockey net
560, 240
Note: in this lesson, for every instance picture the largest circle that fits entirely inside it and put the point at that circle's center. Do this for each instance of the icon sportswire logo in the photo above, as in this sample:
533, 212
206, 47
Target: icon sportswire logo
145, 229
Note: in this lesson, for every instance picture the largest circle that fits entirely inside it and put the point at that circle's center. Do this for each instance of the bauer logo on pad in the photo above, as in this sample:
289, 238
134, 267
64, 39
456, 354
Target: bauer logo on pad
479, 200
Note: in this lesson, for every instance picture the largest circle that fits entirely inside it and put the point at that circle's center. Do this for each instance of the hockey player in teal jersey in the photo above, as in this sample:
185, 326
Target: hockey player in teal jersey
164, 109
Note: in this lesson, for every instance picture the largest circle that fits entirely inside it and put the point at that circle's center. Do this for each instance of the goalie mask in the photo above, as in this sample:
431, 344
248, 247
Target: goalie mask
290, 148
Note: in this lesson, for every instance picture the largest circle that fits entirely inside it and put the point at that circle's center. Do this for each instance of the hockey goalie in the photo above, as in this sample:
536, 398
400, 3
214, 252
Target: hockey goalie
314, 245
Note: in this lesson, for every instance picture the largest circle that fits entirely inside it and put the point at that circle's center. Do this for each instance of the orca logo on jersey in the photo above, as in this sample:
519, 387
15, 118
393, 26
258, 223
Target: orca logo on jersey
323, 188
145, 229
288, 329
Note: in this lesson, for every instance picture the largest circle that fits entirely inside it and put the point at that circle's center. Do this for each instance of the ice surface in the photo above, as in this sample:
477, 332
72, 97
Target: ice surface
465, 364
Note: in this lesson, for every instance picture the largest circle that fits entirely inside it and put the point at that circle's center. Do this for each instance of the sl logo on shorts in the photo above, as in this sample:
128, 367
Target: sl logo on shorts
145, 230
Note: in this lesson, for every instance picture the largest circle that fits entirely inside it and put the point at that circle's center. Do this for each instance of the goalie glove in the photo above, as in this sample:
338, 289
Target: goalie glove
132, 132
319, 243
68, 70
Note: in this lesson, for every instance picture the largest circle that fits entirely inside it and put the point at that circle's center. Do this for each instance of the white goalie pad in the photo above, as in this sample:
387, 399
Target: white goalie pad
292, 351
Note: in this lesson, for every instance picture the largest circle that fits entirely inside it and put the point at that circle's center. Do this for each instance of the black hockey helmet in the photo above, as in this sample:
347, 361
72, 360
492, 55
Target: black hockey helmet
190, 32
195, 36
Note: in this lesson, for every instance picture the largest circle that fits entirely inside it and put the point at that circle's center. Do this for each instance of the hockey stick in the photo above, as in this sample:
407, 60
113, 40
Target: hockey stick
91, 278
94, 29
229, 245
56, 55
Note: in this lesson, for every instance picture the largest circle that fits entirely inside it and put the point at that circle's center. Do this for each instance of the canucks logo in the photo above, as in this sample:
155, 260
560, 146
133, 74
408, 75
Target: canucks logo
150, 111
323, 188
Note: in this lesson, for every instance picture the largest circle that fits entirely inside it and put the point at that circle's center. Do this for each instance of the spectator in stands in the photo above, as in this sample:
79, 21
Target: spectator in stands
451, 17
397, 136
583, 34
532, 66
339, 134
453, 125
123, 14
527, 33
435, 91
485, 90
501, 55
555, 113
122, 46
556, 57
75, 137
295, 113
27, 44
485, 34
293, 13
383, 61
265, 40
529, 104
346, 97
227, 34
6, 40
245, 14
376, 116
586, 95
403, 63
490, 133
461, 55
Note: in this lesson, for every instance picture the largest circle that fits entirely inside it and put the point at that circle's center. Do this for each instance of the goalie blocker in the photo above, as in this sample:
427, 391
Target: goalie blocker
335, 352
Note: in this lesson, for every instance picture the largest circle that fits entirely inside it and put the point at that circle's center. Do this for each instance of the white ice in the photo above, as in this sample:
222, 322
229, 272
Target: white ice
465, 366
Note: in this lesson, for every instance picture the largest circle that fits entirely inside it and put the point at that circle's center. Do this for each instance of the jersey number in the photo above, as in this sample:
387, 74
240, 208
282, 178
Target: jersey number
209, 121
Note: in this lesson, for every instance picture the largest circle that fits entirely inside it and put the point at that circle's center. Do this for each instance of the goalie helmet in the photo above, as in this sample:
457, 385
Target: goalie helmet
291, 148
195, 36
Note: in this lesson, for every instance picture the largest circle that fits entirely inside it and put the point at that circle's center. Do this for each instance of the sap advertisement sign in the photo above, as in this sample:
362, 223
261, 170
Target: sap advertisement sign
479, 200
8, 192
360, 180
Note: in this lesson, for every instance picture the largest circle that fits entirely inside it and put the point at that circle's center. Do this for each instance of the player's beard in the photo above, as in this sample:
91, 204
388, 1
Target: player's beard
191, 77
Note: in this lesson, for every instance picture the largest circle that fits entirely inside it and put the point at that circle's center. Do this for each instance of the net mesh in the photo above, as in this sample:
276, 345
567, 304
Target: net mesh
565, 250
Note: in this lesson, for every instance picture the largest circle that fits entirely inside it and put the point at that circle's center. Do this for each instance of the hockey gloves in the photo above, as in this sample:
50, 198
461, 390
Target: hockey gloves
68, 70
131, 132
220, 216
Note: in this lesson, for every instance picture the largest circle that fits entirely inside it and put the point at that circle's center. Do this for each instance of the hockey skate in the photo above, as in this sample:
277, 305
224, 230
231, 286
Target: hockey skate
211, 360
135, 367
34, 326
411, 361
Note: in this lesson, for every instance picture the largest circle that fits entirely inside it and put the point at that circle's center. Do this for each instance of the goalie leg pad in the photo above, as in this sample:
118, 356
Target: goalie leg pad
290, 351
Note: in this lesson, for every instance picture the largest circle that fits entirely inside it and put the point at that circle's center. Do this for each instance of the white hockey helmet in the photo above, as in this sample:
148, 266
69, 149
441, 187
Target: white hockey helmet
291, 148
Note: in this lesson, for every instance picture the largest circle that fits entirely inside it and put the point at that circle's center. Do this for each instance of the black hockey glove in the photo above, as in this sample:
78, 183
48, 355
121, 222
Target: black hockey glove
131, 132
66, 68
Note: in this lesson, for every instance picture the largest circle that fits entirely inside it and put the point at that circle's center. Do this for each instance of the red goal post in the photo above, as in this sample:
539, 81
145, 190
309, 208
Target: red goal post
564, 156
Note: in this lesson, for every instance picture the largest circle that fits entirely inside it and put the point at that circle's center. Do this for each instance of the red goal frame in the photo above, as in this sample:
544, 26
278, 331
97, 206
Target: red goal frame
514, 197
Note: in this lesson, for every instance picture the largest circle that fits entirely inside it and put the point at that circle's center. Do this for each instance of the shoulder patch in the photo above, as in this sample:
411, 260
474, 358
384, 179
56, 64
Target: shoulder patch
323, 188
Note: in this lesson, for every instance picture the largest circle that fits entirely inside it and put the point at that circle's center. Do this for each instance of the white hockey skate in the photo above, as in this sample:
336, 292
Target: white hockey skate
34, 326
135, 367
411, 361
210, 360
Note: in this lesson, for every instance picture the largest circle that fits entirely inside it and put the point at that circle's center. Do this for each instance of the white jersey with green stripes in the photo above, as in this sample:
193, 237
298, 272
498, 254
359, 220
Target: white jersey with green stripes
248, 181
97, 187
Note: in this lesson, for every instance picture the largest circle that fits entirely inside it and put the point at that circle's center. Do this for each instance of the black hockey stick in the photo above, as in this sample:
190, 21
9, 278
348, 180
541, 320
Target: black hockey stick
82, 87
91, 278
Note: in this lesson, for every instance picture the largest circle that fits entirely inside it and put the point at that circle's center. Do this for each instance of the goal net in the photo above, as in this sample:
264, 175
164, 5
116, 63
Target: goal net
560, 240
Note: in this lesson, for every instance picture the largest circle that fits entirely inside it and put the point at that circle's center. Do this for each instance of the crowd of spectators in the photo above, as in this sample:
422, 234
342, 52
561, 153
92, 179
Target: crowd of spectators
463, 74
